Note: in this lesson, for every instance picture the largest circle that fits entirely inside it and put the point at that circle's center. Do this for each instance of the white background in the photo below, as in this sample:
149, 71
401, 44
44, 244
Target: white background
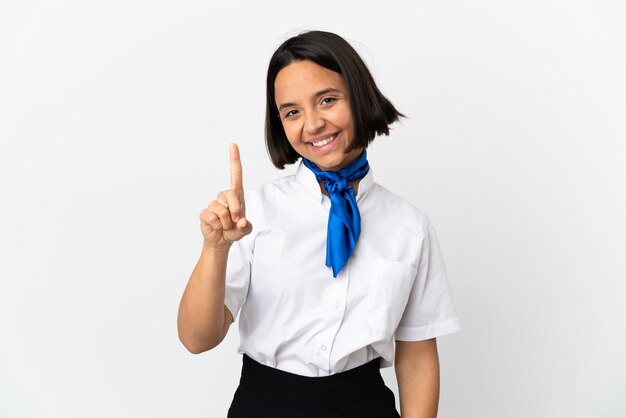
114, 122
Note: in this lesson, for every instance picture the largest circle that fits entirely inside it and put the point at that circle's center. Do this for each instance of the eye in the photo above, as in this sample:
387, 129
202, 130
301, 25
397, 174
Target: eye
290, 113
328, 100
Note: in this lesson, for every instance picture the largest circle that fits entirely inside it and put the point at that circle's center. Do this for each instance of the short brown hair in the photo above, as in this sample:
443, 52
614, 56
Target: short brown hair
372, 113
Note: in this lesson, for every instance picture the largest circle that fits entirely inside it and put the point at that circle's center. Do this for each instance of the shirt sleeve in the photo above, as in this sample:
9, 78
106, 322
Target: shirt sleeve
238, 270
430, 310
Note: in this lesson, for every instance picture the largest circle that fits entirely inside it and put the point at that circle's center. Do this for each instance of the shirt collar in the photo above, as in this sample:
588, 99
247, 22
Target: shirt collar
306, 178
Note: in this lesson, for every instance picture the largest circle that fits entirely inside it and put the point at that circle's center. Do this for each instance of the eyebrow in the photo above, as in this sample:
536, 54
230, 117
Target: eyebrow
316, 95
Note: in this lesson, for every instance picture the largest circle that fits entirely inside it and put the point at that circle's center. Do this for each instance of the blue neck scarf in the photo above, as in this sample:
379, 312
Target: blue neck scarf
344, 219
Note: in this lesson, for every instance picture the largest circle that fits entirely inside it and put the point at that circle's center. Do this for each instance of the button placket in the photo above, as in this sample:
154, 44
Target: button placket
334, 304
340, 300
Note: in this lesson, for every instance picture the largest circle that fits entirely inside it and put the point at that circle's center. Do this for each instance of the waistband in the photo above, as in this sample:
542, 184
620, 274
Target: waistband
313, 393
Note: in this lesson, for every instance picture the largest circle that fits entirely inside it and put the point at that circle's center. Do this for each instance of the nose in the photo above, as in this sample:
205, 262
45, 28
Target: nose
313, 122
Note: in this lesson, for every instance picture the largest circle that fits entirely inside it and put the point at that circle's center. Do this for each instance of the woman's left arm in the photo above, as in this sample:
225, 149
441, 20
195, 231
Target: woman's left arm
417, 372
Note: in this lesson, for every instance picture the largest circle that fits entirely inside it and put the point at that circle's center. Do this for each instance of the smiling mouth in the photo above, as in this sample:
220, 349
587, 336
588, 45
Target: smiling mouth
323, 142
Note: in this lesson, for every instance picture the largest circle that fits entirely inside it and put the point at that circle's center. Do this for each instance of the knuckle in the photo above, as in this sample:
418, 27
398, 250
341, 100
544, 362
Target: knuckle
216, 207
223, 212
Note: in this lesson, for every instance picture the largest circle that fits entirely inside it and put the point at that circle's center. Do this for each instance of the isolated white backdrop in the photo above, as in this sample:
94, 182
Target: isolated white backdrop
114, 122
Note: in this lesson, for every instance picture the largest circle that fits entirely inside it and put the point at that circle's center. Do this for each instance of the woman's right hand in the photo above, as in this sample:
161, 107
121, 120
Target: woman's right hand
223, 221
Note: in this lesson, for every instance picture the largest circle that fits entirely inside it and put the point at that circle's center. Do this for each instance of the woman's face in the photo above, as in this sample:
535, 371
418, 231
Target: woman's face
313, 107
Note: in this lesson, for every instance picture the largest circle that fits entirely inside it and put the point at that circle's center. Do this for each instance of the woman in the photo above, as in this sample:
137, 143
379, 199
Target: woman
335, 268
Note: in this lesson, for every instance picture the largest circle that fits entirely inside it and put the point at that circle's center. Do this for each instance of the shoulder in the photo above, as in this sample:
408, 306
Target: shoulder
397, 210
273, 190
273, 198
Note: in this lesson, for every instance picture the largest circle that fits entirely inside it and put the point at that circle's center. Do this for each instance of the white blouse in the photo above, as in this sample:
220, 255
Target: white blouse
296, 317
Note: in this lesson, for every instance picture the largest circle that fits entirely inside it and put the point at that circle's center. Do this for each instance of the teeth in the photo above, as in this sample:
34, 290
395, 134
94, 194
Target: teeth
323, 141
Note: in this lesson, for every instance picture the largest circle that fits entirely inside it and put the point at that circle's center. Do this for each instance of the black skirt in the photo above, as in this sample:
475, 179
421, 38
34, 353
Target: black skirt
266, 392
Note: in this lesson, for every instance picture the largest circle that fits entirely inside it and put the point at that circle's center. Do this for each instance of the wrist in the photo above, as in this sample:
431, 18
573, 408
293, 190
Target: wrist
209, 249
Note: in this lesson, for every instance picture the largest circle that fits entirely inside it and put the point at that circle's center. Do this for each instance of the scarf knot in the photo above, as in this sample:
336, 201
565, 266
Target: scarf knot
338, 186
344, 219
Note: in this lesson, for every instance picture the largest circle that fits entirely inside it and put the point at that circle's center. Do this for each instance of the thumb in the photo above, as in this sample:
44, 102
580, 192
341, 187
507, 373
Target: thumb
244, 227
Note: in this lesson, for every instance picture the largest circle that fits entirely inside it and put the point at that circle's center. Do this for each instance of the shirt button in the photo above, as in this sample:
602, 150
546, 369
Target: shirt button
323, 347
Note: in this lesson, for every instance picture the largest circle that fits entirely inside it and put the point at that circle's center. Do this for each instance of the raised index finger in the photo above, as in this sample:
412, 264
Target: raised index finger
236, 172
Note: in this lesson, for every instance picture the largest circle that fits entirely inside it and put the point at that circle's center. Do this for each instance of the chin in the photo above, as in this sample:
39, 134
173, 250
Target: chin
331, 164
